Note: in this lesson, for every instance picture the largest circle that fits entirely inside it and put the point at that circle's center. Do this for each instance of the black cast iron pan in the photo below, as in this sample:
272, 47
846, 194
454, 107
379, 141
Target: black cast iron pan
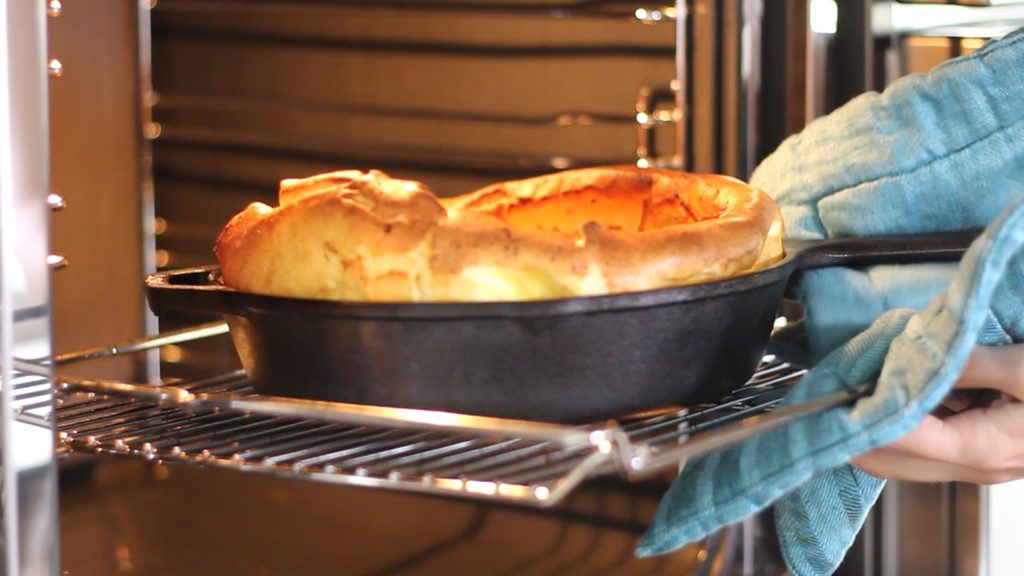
569, 360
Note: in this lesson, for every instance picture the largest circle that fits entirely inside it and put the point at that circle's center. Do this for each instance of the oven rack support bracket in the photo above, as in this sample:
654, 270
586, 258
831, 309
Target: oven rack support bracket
219, 422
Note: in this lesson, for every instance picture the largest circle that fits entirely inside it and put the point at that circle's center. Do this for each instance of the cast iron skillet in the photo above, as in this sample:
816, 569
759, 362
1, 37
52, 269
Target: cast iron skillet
569, 360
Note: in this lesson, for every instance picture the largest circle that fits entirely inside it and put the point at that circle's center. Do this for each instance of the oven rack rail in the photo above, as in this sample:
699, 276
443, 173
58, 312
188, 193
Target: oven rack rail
220, 422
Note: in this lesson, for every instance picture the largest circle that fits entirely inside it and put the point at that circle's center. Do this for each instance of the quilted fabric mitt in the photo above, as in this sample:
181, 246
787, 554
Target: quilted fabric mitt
934, 152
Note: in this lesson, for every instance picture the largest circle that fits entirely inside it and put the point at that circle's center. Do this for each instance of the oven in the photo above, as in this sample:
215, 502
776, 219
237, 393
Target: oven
133, 129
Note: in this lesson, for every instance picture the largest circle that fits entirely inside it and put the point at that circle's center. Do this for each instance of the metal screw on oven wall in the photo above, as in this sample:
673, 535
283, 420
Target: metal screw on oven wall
56, 202
54, 8
152, 130
55, 68
150, 98
56, 262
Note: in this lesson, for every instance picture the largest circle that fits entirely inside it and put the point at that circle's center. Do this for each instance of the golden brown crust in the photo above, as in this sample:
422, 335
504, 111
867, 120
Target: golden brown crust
366, 236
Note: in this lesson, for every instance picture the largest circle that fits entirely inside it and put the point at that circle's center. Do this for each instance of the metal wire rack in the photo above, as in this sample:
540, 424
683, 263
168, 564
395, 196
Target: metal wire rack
219, 422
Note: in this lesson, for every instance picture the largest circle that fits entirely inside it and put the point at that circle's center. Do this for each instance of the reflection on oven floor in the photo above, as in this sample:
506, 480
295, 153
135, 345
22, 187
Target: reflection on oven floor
126, 517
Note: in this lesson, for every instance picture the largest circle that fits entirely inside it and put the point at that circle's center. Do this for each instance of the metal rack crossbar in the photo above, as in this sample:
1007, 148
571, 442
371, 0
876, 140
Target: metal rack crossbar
220, 422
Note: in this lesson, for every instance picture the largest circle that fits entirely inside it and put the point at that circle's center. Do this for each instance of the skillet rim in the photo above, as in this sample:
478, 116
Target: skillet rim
164, 295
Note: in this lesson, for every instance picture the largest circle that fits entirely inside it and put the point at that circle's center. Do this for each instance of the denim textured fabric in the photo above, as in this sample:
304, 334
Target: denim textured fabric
938, 151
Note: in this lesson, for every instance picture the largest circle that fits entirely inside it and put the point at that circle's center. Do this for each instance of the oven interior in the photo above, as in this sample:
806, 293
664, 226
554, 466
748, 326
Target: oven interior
159, 120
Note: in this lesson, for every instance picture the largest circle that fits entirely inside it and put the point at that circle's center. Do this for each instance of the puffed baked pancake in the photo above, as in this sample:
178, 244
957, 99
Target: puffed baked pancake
365, 236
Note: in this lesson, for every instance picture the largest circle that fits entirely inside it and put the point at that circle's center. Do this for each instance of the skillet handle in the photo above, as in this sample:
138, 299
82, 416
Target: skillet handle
903, 249
188, 290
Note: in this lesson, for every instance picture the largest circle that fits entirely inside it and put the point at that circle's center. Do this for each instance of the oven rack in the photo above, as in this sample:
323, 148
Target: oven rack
220, 422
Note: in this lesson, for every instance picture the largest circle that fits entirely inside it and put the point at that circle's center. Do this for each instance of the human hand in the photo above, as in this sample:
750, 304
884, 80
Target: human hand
981, 442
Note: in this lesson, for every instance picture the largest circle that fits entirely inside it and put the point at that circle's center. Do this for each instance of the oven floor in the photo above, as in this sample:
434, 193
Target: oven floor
129, 517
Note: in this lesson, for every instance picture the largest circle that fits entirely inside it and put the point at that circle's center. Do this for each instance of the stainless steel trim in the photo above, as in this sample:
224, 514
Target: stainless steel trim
28, 499
147, 205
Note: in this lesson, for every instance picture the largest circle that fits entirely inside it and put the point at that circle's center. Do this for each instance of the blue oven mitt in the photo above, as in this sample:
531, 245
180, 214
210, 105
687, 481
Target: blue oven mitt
938, 151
